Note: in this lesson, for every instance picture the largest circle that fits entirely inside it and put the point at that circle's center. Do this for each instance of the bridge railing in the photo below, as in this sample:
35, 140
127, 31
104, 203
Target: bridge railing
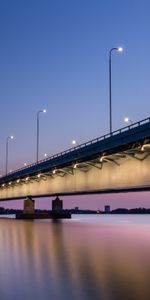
103, 137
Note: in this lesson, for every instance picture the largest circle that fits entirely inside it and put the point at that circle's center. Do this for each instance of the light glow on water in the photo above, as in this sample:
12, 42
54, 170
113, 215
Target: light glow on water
89, 257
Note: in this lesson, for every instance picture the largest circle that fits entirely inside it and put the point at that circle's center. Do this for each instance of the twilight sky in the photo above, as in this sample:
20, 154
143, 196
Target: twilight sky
54, 55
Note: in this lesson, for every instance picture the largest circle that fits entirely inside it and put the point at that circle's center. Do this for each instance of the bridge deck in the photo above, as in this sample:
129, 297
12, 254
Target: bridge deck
119, 140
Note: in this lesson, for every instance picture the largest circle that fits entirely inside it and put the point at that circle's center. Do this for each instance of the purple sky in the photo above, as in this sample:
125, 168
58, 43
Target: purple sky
128, 200
54, 55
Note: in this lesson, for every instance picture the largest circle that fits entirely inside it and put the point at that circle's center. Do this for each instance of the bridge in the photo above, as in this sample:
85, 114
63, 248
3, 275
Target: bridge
116, 162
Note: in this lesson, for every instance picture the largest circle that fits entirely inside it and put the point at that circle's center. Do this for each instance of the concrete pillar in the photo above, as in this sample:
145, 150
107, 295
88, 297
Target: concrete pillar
28, 206
57, 204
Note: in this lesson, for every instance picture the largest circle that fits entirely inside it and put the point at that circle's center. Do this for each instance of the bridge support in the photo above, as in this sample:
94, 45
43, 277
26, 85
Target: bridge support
29, 211
29, 205
57, 210
30, 214
57, 204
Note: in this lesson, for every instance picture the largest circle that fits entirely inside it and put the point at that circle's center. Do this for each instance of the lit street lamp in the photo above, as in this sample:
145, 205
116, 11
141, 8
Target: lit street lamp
7, 140
37, 141
127, 120
74, 143
119, 49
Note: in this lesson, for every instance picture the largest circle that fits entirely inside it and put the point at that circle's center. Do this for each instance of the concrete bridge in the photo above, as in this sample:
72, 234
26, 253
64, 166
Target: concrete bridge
116, 162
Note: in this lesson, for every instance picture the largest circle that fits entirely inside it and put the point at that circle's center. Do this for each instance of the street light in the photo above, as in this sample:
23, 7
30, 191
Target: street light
74, 143
119, 49
7, 140
127, 120
37, 141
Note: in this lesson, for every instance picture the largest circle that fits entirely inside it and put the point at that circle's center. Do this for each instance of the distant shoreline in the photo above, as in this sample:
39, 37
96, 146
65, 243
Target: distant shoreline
124, 211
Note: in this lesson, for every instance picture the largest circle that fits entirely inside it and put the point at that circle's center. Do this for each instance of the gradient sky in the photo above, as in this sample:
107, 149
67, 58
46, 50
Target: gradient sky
54, 55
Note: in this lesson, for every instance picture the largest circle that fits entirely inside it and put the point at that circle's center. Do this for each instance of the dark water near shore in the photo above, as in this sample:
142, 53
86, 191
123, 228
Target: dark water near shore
88, 258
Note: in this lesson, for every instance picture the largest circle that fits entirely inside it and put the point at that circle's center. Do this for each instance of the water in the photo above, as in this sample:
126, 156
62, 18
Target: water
99, 257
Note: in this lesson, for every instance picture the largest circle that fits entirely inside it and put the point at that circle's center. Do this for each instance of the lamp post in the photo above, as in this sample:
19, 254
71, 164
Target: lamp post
38, 129
7, 140
119, 49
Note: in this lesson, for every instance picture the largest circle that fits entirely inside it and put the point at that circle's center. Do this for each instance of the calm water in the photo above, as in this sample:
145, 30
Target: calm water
88, 258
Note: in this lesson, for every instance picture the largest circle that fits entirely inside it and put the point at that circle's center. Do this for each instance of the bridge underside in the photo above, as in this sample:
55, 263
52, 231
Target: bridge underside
120, 172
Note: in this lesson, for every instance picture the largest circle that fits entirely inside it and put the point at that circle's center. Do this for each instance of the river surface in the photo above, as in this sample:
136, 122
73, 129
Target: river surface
101, 257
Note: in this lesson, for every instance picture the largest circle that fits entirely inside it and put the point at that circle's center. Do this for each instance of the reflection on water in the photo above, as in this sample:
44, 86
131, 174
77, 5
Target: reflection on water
75, 259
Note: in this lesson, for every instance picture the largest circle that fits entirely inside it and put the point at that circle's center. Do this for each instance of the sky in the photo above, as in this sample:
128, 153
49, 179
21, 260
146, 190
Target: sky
54, 55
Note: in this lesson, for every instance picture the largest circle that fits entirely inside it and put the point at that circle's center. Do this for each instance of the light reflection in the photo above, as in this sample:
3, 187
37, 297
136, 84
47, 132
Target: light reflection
82, 260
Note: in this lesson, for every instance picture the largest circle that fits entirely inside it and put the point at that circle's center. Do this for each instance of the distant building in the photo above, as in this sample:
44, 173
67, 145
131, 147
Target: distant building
107, 209
76, 208
2, 210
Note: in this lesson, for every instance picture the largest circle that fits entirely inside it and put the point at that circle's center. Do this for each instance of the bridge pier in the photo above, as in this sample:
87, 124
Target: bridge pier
30, 214
57, 210
29, 210
57, 204
29, 206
